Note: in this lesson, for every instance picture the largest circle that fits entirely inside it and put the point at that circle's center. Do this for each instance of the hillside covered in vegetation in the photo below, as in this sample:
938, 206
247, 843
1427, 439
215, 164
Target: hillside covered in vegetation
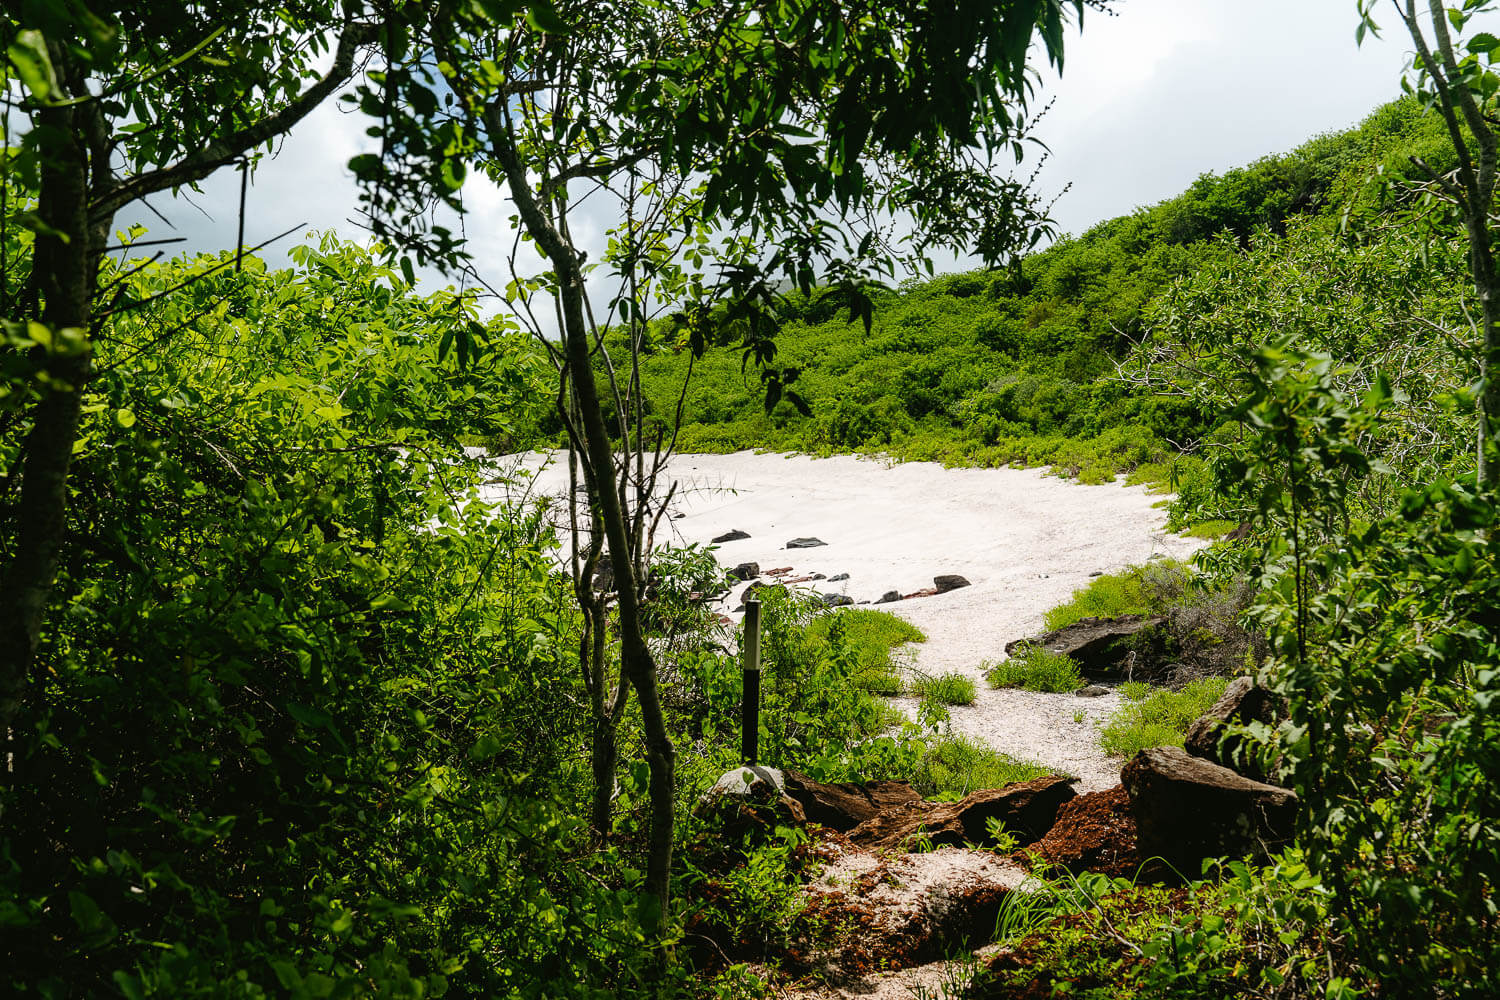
300, 697
1057, 360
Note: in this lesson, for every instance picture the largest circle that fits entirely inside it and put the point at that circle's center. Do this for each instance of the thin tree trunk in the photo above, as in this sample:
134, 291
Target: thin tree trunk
66, 266
637, 665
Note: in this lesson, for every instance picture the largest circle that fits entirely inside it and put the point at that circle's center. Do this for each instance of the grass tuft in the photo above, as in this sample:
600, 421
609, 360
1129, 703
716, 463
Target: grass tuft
1156, 717
1035, 668
957, 765
1133, 591
950, 689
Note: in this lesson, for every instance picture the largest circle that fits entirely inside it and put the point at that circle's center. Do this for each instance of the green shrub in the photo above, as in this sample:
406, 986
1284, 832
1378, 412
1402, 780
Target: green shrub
1156, 717
870, 636
882, 682
1137, 590
1035, 668
954, 766
950, 689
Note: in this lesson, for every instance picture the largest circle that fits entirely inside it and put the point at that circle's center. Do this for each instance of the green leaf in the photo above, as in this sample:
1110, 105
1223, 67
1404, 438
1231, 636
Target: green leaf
542, 16
28, 54
389, 602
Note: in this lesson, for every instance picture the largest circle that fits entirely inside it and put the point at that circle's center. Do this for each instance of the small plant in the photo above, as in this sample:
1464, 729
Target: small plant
1035, 668
1134, 591
1079, 717
950, 689
958, 974
882, 682
958, 765
1156, 717
1002, 841
871, 636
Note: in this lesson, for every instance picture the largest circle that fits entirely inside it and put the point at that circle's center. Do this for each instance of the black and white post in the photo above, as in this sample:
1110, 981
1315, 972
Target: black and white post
750, 700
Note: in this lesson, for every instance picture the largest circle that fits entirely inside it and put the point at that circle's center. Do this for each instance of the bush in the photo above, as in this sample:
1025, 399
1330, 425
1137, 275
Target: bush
954, 766
1035, 668
1137, 590
1156, 717
949, 689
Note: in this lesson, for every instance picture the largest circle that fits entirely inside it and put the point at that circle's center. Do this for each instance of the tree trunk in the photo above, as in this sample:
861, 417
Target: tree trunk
66, 266
637, 665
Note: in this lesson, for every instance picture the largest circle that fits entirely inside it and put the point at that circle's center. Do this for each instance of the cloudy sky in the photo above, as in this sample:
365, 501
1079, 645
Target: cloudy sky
1150, 98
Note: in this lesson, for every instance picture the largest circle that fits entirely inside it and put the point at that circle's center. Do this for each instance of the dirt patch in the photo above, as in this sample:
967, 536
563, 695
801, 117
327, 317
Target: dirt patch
1094, 832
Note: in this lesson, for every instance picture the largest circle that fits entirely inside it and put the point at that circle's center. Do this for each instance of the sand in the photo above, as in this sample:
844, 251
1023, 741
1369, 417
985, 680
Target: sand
1023, 539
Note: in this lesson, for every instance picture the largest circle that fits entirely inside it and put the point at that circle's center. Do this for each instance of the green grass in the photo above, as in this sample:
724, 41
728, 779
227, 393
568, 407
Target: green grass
881, 682
1034, 668
958, 765
1156, 717
950, 689
1211, 529
873, 636
1130, 592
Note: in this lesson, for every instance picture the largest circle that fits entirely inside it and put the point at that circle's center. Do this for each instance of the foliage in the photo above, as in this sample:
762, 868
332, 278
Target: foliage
255, 717
874, 638
1035, 668
950, 689
1256, 931
1137, 590
952, 766
1019, 366
1157, 717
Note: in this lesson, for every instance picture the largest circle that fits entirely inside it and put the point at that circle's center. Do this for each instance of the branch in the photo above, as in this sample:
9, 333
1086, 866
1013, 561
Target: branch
1444, 91
221, 151
594, 170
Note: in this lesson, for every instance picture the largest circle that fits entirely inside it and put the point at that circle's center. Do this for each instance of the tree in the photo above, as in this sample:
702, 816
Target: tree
1461, 85
122, 101
797, 124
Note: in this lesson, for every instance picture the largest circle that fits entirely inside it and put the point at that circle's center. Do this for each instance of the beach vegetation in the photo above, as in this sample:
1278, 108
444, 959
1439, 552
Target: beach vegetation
950, 689
1035, 668
955, 765
1157, 717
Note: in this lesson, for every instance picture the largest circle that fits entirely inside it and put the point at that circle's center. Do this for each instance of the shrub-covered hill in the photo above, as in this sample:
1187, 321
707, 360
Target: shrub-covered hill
1020, 364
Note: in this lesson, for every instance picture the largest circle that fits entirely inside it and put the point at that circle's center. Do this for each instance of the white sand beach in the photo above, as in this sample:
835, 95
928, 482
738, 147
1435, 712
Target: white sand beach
1023, 539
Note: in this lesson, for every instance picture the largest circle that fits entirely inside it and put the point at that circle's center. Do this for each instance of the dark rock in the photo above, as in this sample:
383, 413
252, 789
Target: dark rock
1027, 809
1103, 647
1097, 572
1092, 691
816, 576
1187, 809
805, 543
836, 600
749, 591
1211, 736
746, 571
846, 804
889, 597
837, 577
1239, 533
949, 581
730, 536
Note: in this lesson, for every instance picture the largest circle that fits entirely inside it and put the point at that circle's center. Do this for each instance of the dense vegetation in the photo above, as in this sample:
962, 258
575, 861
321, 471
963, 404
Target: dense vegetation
290, 709
1022, 364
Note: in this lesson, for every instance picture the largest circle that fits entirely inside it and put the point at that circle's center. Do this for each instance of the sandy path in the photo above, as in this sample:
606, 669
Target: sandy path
1023, 539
